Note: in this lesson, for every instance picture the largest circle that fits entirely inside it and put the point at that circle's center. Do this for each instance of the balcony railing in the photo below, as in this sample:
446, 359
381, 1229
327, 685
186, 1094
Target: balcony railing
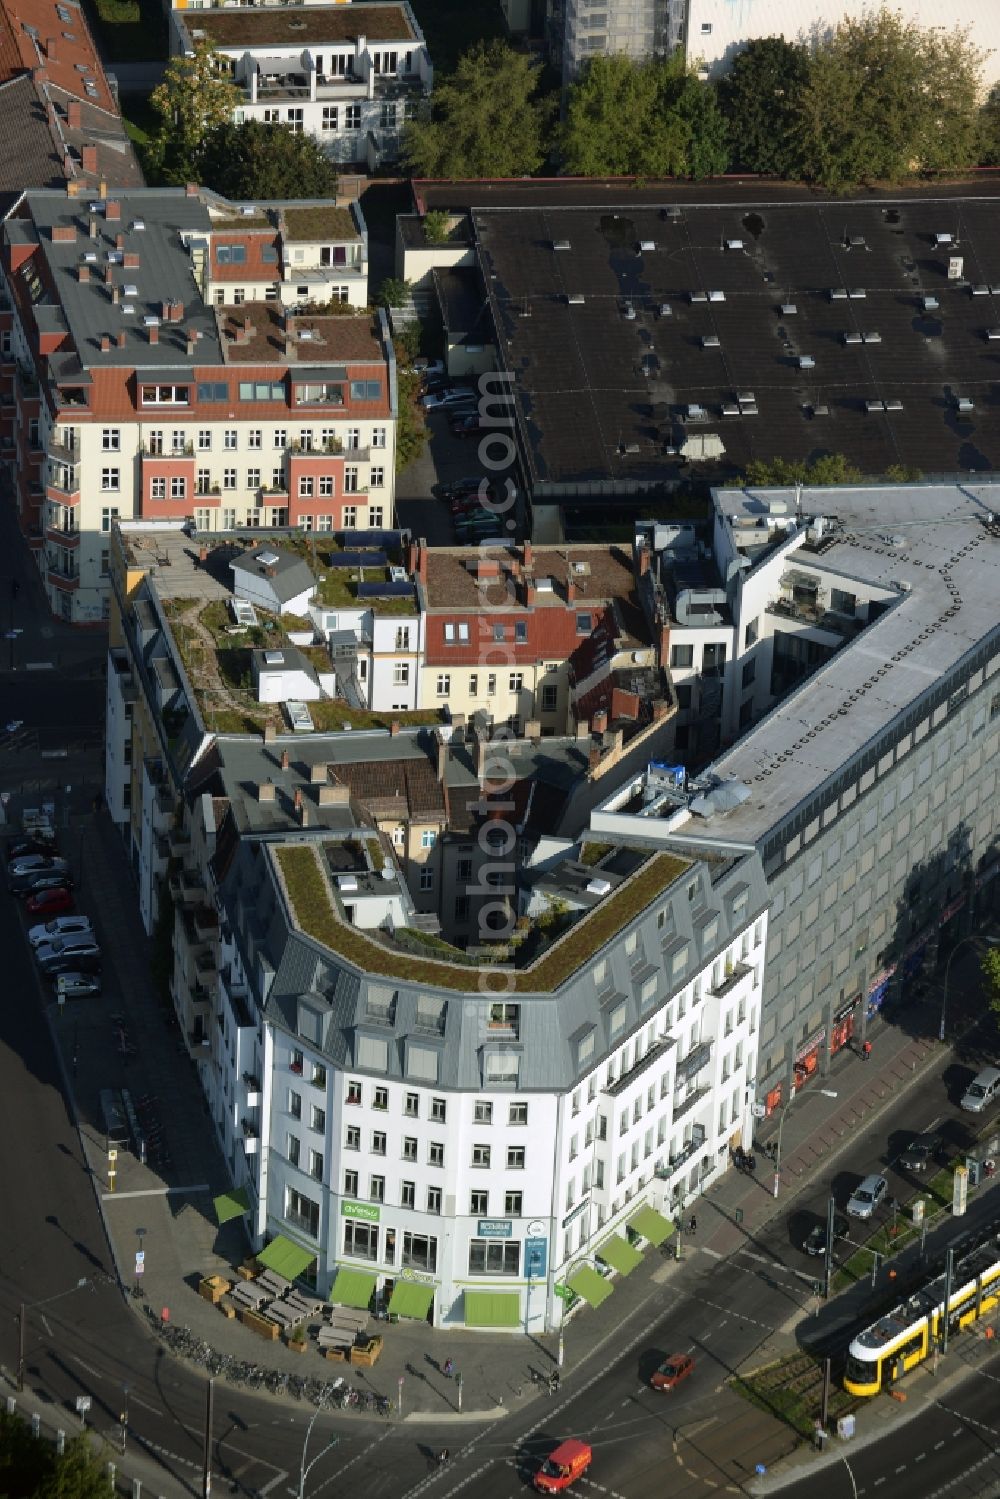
697, 1058
691, 1102
730, 980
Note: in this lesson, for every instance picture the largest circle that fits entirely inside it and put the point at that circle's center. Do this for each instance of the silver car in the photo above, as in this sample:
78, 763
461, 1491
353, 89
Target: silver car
866, 1197
59, 926
68, 953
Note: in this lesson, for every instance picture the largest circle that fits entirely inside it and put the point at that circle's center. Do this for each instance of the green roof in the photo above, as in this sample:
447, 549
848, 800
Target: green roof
353, 1288
312, 911
286, 1258
411, 1298
492, 1309
592, 1287
619, 1255
651, 1225
232, 1204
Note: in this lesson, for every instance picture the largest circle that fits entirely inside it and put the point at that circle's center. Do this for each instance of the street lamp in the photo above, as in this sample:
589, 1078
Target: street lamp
990, 942
826, 1093
22, 1318
581, 1259
304, 1467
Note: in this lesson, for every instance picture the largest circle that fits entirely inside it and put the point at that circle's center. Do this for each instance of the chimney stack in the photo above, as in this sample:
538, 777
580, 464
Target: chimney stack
83, 272
298, 798
74, 118
192, 343
600, 721
92, 227
112, 210
119, 241
422, 560
643, 561
412, 557
191, 189
394, 727
529, 592
120, 340
594, 759
88, 159
109, 275
102, 188
116, 295
570, 591
105, 343
154, 334
284, 759
526, 550
442, 754
664, 645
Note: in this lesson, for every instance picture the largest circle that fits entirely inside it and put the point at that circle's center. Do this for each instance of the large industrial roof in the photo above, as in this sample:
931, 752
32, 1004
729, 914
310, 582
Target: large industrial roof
937, 547
646, 310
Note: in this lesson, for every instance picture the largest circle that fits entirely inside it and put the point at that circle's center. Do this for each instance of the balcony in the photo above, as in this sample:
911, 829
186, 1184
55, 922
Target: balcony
63, 449
698, 1057
653, 1055
180, 841
63, 582
731, 980
251, 1137
253, 1087
692, 1101
62, 536
206, 923
689, 1148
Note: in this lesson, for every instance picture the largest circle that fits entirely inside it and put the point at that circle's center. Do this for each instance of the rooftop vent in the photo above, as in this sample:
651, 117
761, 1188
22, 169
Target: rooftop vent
664, 310
598, 887
646, 245
266, 559
138, 225
128, 308
710, 341
561, 244
576, 299
274, 658
397, 575
806, 362
347, 884
698, 296
628, 312
129, 290
716, 296
943, 239
872, 338
544, 585
856, 242
838, 293
857, 294
788, 309
930, 304
964, 403
247, 210
150, 321
734, 244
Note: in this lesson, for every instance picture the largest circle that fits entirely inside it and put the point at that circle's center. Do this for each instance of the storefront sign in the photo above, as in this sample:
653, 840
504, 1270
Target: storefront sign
536, 1258
495, 1228
575, 1213
810, 1045
425, 1280
368, 1211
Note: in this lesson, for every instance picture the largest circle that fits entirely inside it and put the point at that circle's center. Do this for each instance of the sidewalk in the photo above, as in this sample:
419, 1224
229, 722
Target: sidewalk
170, 1216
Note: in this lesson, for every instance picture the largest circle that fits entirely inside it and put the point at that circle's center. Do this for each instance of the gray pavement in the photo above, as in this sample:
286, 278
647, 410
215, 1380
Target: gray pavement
169, 1213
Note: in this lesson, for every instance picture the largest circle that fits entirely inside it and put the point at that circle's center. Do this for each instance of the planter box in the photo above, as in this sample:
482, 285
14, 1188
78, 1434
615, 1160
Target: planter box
228, 1309
249, 1270
213, 1288
262, 1326
297, 1345
337, 1355
365, 1355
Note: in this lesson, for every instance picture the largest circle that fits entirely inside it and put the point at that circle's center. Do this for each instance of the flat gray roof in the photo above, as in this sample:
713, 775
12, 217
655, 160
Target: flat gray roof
935, 541
163, 274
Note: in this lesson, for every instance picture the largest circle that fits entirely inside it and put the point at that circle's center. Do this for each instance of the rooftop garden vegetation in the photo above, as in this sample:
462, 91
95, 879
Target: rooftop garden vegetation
312, 910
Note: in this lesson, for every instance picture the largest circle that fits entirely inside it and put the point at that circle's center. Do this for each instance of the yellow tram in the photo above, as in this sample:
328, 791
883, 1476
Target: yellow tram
904, 1336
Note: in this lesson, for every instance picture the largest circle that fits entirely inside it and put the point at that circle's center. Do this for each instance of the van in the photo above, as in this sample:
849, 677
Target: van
983, 1090
563, 1466
113, 1115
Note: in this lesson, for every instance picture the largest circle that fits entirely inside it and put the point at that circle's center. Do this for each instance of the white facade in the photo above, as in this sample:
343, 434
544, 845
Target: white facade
716, 29
457, 1189
387, 657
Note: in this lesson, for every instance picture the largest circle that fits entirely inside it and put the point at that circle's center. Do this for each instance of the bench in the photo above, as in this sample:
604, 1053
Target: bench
348, 1316
273, 1282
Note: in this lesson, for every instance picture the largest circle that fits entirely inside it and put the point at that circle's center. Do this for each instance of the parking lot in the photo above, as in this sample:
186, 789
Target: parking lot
444, 459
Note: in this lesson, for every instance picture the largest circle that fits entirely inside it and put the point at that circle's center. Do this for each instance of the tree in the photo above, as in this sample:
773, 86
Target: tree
759, 98
392, 292
255, 160
486, 118
886, 99
991, 973
436, 226
988, 154
646, 119
829, 468
193, 99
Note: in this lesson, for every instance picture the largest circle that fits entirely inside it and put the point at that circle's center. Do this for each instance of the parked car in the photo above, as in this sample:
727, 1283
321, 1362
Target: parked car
44, 881
674, 1371
445, 400
66, 954
921, 1153
466, 485
25, 871
77, 985
22, 847
563, 1465
815, 1240
983, 1090
59, 926
50, 901
866, 1197
466, 426
429, 367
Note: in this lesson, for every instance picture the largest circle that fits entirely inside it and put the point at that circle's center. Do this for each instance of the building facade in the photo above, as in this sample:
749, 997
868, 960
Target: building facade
144, 381
350, 75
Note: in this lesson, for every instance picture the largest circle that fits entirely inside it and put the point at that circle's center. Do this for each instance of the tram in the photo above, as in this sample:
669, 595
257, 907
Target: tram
904, 1336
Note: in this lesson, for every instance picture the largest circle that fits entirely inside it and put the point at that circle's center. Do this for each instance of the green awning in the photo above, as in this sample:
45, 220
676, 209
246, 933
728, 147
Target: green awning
591, 1286
492, 1309
410, 1298
353, 1288
651, 1225
231, 1205
285, 1257
619, 1255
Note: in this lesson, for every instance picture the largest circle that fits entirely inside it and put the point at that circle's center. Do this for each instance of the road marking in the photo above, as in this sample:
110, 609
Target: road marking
901, 1468
938, 1446
153, 1192
713, 1252
920, 1457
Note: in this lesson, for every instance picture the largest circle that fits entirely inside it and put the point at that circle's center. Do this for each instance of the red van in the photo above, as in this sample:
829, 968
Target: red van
563, 1466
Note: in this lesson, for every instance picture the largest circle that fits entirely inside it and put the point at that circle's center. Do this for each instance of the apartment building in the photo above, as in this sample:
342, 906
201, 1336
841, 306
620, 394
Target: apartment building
142, 380
411, 1127
869, 619
711, 32
350, 75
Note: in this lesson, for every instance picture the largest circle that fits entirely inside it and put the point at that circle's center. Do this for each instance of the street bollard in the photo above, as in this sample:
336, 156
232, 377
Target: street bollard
36, 1425
11, 1406
60, 1443
112, 1474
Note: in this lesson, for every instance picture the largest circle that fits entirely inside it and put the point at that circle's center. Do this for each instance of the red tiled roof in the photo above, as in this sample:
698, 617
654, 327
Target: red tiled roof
60, 50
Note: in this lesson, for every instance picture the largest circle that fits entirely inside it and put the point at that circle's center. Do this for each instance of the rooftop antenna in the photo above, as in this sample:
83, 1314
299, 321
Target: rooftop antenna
798, 499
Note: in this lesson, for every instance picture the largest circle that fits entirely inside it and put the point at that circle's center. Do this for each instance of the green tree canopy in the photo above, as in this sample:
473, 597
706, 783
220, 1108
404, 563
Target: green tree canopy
828, 468
193, 99
989, 130
255, 160
646, 119
886, 99
760, 98
486, 118
991, 974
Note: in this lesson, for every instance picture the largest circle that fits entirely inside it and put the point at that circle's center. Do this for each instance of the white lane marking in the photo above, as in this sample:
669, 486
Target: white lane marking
714, 1253
153, 1192
920, 1457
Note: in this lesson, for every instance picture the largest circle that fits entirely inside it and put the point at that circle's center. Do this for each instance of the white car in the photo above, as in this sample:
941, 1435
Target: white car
59, 926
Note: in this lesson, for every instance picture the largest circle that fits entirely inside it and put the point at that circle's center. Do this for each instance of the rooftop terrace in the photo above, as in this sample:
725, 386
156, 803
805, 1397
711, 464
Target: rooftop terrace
317, 915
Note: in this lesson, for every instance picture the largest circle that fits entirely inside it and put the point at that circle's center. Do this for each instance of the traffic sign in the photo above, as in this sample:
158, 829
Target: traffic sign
139, 1267
140, 1256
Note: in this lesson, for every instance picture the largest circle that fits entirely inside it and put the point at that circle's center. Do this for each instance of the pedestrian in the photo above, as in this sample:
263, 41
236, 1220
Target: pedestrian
752, 1163
693, 1224
448, 1369
866, 1051
443, 1457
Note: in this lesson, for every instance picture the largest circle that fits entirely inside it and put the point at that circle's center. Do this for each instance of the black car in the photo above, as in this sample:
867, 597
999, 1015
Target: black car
22, 847
815, 1240
45, 881
921, 1153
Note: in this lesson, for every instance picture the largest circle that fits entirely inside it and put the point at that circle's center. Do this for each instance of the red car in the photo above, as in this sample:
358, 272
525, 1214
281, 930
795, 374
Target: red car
49, 902
677, 1368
